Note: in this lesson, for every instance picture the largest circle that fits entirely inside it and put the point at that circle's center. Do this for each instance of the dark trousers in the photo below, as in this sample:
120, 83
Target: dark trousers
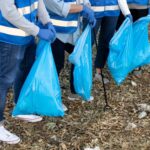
105, 28
11, 65
136, 13
58, 49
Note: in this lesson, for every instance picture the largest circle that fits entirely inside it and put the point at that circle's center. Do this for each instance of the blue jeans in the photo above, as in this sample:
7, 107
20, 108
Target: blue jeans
11, 64
105, 28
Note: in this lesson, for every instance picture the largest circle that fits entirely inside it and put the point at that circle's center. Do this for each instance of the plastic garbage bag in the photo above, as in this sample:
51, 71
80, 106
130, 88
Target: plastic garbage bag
129, 48
121, 52
141, 42
82, 59
41, 91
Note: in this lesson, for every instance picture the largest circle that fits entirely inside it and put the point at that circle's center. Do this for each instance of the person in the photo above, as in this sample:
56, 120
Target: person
106, 13
65, 16
138, 8
18, 30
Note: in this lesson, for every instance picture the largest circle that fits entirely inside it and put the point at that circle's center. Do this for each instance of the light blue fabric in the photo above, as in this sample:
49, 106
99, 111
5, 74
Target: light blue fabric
129, 49
41, 91
82, 59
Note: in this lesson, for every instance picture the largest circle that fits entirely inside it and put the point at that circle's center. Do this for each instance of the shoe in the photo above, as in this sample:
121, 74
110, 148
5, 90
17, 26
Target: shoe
28, 118
73, 97
7, 137
98, 77
64, 108
91, 98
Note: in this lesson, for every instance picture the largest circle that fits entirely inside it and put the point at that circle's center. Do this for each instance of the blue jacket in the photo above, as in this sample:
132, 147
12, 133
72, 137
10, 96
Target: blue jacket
138, 2
11, 34
67, 24
105, 8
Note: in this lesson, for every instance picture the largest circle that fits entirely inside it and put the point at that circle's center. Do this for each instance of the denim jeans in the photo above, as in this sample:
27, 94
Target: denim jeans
11, 65
105, 29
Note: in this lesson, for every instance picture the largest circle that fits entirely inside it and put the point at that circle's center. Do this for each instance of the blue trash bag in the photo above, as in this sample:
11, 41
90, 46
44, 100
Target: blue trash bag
121, 52
82, 59
41, 92
141, 42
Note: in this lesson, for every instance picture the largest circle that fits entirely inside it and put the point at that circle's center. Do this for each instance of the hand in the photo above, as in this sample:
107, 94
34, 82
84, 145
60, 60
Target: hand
89, 15
47, 34
50, 26
130, 17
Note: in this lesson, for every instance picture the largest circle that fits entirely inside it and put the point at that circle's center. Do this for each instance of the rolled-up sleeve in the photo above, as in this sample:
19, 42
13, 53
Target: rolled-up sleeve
58, 6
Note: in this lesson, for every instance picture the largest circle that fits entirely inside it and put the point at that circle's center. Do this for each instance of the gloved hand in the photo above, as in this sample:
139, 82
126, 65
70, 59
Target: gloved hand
47, 34
130, 17
50, 26
89, 15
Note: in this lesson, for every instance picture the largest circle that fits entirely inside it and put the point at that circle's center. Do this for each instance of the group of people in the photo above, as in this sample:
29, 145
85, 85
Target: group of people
58, 22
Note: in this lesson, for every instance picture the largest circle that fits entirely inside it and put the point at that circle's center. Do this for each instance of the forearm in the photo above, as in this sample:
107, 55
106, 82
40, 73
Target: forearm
124, 7
61, 8
43, 15
75, 8
10, 13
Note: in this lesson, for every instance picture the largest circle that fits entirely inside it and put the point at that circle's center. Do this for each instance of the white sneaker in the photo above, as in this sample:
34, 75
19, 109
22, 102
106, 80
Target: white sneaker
73, 97
7, 137
28, 118
91, 98
64, 108
98, 77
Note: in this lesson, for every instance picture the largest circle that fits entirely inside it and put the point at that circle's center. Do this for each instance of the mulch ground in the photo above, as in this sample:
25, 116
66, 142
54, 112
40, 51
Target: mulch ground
86, 124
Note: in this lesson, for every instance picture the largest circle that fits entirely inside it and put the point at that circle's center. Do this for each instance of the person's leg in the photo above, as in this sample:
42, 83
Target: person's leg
138, 13
107, 31
58, 50
58, 54
26, 61
69, 48
24, 69
9, 59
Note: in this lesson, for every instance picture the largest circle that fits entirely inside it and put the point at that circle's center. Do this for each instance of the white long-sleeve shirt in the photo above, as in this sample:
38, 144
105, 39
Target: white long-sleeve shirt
124, 7
62, 8
10, 13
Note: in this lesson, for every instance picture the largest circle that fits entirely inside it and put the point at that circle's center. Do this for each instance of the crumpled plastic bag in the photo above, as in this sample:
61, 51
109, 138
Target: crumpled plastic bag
129, 48
121, 52
41, 92
141, 42
82, 59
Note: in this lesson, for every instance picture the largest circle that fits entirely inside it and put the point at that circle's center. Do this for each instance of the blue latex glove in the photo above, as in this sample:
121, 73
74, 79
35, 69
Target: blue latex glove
130, 17
51, 27
46, 34
89, 15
